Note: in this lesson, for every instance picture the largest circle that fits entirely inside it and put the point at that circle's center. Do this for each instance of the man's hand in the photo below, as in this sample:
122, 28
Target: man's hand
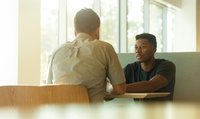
107, 98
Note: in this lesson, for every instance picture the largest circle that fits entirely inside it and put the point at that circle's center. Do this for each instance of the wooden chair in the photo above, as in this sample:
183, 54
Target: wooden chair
46, 94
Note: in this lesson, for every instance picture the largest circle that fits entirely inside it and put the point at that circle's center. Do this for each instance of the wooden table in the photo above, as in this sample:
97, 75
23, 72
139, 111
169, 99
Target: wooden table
139, 95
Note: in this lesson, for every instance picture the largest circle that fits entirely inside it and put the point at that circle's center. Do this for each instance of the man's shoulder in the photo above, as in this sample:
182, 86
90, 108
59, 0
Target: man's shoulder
102, 43
133, 65
103, 46
59, 48
165, 62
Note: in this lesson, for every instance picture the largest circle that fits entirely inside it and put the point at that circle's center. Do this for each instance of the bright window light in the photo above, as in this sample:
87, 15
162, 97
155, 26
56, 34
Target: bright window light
9, 42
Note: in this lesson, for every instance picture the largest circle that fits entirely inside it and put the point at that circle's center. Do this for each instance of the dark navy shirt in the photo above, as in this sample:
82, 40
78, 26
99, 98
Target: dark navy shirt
134, 73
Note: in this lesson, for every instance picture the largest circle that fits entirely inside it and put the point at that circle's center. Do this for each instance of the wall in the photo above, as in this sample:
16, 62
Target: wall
186, 27
8, 45
29, 42
198, 24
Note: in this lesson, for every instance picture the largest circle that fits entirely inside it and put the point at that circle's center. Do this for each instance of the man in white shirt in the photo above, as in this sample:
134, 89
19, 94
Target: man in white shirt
87, 60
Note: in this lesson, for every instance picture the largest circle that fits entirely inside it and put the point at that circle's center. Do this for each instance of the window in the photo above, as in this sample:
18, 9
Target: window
110, 22
135, 20
72, 8
58, 27
162, 25
171, 16
49, 32
121, 20
156, 24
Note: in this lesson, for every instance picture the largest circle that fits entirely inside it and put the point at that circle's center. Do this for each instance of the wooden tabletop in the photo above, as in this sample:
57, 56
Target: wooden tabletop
139, 95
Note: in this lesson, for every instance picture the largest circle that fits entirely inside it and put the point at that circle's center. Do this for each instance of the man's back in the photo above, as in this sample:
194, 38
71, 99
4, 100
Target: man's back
86, 62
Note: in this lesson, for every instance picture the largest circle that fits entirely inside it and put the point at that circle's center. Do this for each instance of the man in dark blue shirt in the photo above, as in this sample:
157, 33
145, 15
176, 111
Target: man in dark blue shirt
149, 74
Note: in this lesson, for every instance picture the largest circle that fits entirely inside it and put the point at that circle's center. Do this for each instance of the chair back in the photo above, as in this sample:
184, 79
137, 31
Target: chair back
46, 94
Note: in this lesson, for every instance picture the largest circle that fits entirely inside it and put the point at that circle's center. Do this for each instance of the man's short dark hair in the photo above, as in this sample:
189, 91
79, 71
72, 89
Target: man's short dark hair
150, 37
86, 21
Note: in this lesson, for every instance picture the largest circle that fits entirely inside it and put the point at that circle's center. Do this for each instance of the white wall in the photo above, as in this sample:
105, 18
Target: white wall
186, 27
198, 24
9, 41
29, 42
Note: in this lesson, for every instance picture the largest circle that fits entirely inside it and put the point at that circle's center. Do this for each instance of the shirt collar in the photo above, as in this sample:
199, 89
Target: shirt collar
83, 36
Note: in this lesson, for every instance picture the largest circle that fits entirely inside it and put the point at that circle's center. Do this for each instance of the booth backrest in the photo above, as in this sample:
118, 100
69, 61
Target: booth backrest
20, 95
187, 84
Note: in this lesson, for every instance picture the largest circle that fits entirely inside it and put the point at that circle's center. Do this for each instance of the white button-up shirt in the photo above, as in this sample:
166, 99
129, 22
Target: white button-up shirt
88, 62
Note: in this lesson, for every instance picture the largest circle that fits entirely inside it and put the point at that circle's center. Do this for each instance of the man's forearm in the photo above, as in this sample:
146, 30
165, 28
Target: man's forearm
119, 89
139, 87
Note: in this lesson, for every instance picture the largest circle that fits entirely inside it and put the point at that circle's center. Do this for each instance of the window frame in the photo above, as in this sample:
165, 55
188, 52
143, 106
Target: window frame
122, 24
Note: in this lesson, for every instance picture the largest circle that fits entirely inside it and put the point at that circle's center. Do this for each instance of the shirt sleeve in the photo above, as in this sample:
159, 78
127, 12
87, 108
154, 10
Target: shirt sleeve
115, 72
128, 73
167, 69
